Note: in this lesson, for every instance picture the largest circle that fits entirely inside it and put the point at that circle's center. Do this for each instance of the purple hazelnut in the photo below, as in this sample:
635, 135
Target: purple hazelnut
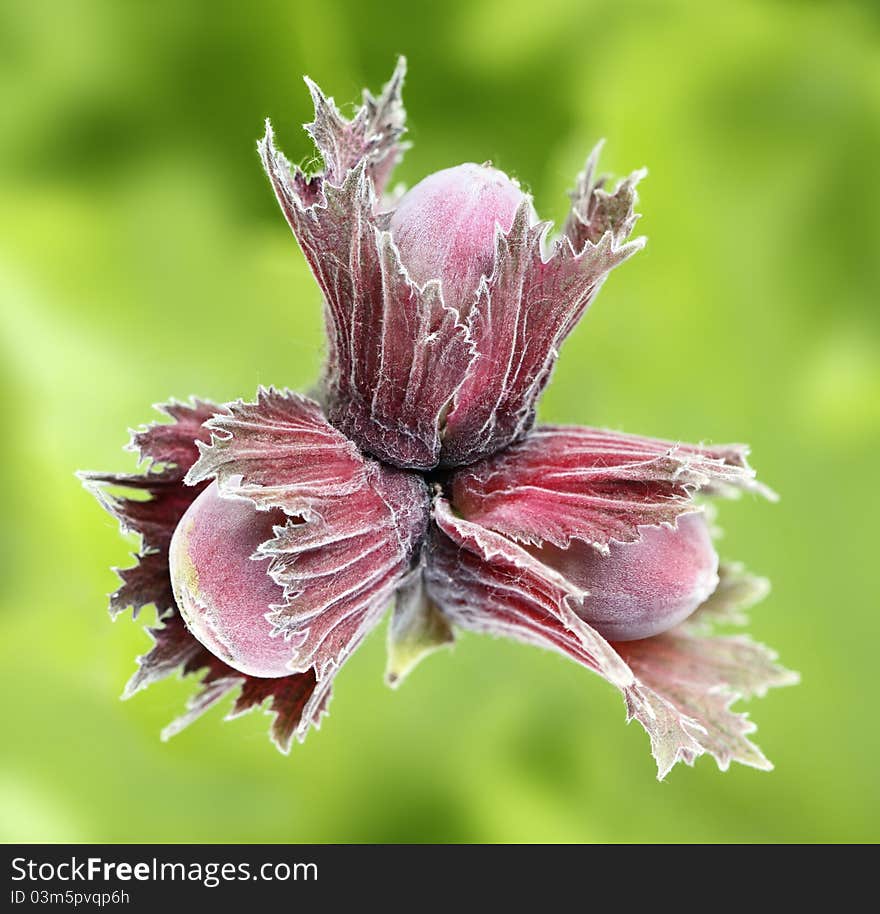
643, 588
444, 227
222, 592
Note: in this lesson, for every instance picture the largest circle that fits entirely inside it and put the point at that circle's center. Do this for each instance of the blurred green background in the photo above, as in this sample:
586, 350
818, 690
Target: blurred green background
142, 255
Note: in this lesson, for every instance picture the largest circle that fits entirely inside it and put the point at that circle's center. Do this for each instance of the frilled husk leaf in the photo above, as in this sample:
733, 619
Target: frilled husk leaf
679, 685
169, 450
289, 699
156, 500
353, 530
523, 313
595, 211
409, 378
564, 482
372, 136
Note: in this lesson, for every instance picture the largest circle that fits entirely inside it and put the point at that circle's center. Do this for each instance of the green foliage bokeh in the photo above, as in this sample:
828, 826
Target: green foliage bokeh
142, 256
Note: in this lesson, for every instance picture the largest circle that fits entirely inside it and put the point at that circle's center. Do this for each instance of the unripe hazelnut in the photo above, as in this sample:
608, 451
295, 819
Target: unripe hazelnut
644, 588
222, 593
444, 227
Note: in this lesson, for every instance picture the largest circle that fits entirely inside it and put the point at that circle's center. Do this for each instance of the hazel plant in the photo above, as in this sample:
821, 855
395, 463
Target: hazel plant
275, 533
